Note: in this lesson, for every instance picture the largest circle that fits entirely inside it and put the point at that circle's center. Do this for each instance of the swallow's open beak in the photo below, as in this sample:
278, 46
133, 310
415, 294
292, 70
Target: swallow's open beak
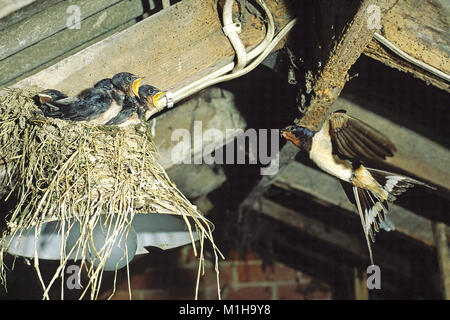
43, 98
135, 86
156, 98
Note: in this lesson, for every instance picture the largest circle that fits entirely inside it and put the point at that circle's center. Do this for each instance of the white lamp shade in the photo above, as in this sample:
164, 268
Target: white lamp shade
165, 231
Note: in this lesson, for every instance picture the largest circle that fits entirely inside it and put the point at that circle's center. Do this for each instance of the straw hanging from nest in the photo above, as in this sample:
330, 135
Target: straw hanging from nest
79, 175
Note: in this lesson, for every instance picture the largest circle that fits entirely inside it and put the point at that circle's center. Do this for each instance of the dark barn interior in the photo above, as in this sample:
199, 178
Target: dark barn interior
291, 235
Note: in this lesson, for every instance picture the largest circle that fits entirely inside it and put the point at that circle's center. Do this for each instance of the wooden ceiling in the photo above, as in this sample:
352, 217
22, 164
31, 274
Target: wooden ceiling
318, 227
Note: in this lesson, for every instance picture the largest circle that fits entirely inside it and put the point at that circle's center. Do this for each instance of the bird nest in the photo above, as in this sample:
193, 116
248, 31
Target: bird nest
79, 174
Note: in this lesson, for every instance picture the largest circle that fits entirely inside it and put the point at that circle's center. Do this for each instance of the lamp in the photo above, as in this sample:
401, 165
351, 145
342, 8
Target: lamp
164, 231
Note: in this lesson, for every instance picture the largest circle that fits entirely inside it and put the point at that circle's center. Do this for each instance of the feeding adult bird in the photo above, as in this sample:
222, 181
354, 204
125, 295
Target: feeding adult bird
342, 148
95, 105
134, 108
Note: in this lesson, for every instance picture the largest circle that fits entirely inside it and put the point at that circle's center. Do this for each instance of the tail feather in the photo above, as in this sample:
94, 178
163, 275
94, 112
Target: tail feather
373, 210
395, 184
387, 224
360, 199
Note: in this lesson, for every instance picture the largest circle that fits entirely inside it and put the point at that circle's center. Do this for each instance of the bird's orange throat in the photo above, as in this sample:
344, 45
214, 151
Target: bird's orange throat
291, 137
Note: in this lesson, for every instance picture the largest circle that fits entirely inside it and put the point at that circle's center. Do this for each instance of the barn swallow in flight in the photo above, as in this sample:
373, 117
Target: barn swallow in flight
95, 105
341, 148
134, 108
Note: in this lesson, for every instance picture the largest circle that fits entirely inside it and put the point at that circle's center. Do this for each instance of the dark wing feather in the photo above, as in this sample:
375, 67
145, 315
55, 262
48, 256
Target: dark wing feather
354, 139
130, 106
87, 106
123, 116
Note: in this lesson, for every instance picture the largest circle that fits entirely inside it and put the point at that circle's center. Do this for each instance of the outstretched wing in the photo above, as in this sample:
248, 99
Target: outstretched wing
354, 139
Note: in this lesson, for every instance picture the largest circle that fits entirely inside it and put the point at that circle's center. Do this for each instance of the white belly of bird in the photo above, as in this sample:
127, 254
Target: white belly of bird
321, 154
108, 115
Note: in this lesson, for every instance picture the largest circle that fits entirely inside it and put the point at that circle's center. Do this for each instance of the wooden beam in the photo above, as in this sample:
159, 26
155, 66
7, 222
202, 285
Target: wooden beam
324, 232
360, 284
38, 27
311, 227
419, 28
440, 235
25, 12
326, 189
213, 109
285, 156
171, 48
9, 6
332, 78
28, 59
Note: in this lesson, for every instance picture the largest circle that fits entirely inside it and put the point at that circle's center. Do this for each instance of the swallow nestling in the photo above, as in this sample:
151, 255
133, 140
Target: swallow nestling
134, 109
49, 95
342, 148
95, 105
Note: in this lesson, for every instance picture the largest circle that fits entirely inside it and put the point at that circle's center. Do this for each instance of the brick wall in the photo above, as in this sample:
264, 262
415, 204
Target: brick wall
173, 274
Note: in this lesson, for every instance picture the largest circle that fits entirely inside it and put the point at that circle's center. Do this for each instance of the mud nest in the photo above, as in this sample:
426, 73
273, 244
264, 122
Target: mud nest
72, 172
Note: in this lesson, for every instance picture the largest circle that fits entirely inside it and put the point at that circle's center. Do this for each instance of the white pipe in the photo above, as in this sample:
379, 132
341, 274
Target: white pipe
262, 50
410, 59
165, 4
269, 35
231, 32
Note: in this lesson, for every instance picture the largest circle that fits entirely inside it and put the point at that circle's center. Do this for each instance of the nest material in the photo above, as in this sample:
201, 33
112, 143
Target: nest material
68, 171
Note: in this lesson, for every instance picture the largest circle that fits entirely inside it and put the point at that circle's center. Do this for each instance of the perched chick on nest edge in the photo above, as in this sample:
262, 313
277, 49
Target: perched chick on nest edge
96, 105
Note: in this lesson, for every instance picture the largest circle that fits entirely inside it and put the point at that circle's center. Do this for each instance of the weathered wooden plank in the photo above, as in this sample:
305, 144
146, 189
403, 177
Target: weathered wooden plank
23, 13
9, 6
198, 180
332, 78
419, 28
327, 189
310, 226
73, 51
327, 234
53, 47
45, 24
214, 110
171, 48
440, 236
360, 284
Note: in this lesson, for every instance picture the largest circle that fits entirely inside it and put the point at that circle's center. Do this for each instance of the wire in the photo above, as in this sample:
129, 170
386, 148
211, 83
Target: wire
220, 75
231, 30
269, 36
410, 59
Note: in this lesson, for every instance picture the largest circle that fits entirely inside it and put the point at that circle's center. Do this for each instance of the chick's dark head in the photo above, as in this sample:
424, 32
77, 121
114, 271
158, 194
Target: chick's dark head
149, 96
127, 82
105, 84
